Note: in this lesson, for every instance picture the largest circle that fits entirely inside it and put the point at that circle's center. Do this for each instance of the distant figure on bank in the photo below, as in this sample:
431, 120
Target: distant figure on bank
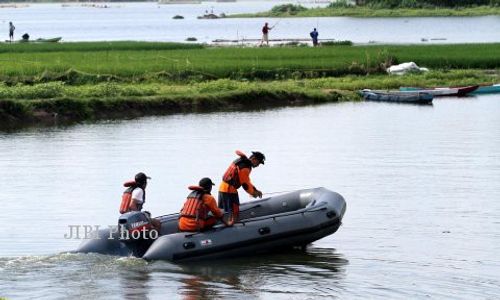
195, 212
11, 31
134, 197
314, 35
265, 34
236, 176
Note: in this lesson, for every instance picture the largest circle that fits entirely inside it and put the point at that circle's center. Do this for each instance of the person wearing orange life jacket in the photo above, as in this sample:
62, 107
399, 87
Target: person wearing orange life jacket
236, 176
195, 212
134, 197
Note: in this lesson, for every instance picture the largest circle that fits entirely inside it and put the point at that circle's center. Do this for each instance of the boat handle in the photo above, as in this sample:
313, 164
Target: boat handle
264, 230
188, 245
331, 214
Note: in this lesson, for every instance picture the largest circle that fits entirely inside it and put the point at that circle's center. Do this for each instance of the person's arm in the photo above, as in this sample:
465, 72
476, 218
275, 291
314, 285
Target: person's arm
209, 201
246, 183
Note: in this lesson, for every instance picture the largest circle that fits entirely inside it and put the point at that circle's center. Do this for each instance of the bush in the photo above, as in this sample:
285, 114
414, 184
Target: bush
340, 4
428, 3
287, 8
337, 43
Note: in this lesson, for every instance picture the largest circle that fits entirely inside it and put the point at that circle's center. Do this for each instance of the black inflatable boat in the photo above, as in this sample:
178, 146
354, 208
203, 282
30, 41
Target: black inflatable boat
293, 219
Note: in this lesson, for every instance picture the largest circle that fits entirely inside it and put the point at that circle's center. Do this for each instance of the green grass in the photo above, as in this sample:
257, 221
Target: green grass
25, 104
148, 63
55, 90
106, 80
357, 11
93, 46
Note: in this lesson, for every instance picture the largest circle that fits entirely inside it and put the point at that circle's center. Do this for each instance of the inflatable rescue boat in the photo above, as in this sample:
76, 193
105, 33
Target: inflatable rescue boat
288, 220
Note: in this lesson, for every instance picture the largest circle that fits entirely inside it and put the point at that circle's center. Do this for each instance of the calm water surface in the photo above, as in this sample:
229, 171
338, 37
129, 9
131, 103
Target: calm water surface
422, 184
153, 22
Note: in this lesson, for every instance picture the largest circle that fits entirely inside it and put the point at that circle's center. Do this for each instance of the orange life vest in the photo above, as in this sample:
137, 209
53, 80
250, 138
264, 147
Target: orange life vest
194, 207
127, 197
231, 176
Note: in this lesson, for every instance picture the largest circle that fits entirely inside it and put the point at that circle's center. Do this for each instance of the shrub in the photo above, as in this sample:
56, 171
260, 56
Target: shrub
287, 8
340, 4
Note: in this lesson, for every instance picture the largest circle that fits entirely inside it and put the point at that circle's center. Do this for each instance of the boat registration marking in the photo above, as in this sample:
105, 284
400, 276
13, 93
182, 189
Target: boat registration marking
206, 242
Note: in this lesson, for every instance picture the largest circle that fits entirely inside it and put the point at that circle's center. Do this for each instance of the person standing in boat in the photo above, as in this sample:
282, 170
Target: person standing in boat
236, 176
265, 34
134, 197
314, 35
199, 203
11, 32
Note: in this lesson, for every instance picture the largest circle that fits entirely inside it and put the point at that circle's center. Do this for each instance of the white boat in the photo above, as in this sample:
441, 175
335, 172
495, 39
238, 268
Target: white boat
179, 1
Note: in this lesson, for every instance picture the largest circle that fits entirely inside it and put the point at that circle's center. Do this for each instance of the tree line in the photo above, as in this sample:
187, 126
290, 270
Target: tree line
420, 3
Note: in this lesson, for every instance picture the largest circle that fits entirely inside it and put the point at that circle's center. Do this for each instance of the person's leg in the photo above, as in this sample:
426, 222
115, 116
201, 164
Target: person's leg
235, 207
209, 223
224, 201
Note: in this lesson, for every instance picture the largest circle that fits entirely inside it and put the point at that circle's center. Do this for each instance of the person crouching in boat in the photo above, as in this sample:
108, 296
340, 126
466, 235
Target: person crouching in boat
236, 176
195, 212
134, 197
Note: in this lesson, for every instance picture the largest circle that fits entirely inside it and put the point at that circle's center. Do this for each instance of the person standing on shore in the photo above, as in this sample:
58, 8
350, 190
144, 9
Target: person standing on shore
265, 34
314, 35
11, 31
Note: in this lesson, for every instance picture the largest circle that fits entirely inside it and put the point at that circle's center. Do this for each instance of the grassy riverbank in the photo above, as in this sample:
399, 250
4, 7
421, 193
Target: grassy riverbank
368, 12
56, 102
79, 63
88, 81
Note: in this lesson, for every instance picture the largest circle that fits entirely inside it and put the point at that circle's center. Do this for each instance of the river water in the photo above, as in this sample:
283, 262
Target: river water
152, 22
422, 185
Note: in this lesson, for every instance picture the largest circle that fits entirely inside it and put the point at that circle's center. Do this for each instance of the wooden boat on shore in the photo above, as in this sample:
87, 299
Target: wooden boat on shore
284, 40
487, 89
52, 40
40, 40
397, 96
179, 1
442, 91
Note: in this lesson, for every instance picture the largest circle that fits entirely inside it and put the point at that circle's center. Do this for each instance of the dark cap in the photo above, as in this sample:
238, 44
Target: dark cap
206, 183
259, 155
141, 178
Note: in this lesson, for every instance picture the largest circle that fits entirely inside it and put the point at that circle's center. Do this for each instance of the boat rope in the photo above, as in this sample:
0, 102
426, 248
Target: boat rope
281, 192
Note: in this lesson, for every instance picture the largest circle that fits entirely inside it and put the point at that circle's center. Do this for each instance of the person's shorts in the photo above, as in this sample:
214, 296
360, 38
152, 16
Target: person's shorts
265, 37
227, 200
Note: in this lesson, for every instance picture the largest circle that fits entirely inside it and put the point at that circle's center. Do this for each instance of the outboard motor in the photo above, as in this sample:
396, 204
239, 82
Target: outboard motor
136, 231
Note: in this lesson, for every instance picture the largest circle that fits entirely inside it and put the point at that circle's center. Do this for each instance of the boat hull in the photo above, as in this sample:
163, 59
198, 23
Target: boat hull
397, 96
487, 89
267, 225
442, 91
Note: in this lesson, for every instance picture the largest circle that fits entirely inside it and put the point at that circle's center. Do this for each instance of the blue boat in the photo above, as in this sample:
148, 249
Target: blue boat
487, 89
397, 96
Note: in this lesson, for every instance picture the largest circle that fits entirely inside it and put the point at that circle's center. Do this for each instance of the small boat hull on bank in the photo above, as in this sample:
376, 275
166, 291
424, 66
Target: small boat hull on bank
397, 96
283, 221
442, 91
487, 89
